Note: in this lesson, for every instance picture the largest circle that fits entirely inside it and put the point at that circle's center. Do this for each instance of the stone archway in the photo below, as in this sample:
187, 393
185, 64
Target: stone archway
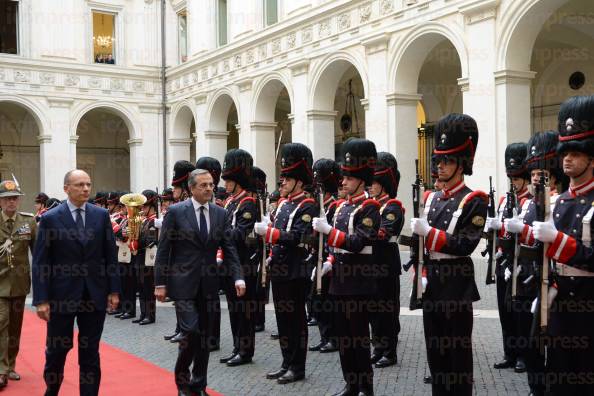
222, 133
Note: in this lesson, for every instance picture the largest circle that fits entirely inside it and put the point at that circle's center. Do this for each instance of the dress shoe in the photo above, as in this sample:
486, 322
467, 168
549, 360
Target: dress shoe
505, 363
116, 312
274, 336
385, 362
146, 321
185, 393
119, 315
127, 316
225, 359
365, 393
312, 322
520, 366
328, 347
317, 346
168, 337
375, 358
238, 360
258, 328
14, 376
203, 392
427, 379
178, 337
347, 391
140, 319
276, 374
290, 376
3, 381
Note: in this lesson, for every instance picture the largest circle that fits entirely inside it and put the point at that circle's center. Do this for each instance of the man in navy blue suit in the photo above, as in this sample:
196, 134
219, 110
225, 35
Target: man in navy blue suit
74, 277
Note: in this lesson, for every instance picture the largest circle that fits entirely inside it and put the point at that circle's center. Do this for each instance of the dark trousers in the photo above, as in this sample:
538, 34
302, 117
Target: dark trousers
385, 320
129, 277
289, 308
351, 317
148, 303
448, 338
241, 316
60, 341
321, 310
214, 323
570, 353
193, 319
506, 318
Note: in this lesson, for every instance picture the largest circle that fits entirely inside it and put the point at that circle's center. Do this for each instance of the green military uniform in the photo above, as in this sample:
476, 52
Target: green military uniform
17, 236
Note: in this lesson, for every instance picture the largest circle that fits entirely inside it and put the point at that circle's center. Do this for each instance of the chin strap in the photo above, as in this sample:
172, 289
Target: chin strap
453, 174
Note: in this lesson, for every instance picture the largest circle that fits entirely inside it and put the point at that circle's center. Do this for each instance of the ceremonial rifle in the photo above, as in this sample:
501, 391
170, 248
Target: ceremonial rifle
491, 238
418, 247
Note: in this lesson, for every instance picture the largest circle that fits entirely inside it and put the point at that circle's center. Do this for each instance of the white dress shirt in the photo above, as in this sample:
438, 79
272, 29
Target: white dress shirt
197, 207
72, 207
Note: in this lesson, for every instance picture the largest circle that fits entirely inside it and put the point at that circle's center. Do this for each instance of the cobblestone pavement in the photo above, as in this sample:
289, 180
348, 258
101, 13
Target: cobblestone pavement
323, 376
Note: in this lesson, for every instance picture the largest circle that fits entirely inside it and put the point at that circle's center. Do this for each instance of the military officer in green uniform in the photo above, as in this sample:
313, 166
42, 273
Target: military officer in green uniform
17, 236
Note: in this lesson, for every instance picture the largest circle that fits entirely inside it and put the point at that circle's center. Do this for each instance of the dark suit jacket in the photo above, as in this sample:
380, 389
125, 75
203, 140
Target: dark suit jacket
186, 264
68, 267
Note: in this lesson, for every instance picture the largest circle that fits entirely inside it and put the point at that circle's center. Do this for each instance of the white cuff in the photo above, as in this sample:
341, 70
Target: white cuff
240, 282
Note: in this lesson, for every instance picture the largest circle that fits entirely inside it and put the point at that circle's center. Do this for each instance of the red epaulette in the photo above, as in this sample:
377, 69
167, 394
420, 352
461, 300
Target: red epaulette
307, 200
245, 199
281, 200
426, 195
477, 194
397, 203
371, 201
523, 201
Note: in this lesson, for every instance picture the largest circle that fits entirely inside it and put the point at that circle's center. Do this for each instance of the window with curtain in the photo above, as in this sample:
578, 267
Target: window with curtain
270, 12
182, 32
9, 27
222, 22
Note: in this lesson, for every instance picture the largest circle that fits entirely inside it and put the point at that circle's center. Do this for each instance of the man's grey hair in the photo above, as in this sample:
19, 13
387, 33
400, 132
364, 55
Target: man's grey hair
196, 172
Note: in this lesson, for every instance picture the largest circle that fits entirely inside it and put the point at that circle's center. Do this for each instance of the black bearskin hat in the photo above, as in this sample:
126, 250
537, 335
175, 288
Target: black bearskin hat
212, 165
221, 194
52, 203
101, 197
542, 153
181, 172
386, 173
152, 198
358, 159
113, 197
327, 173
576, 125
258, 184
515, 160
296, 161
456, 137
238, 167
167, 194
41, 198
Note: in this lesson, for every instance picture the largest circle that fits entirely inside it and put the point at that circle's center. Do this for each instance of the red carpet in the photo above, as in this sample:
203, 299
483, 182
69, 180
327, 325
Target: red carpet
121, 372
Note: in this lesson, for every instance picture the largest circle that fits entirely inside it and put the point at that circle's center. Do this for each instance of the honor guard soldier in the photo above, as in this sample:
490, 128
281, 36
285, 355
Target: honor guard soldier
385, 322
452, 231
570, 367
181, 172
242, 211
40, 205
112, 202
353, 285
166, 199
327, 177
540, 157
17, 236
126, 264
100, 199
145, 259
258, 190
213, 166
288, 267
515, 166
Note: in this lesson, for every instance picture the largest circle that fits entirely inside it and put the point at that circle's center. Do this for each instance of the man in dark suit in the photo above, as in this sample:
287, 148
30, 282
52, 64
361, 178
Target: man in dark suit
74, 277
186, 271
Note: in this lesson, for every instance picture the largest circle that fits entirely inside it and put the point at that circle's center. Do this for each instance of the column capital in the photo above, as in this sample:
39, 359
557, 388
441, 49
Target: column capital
398, 98
154, 108
263, 125
514, 76
41, 139
74, 139
216, 134
64, 103
376, 43
135, 142
180, 141
464, 84
321, 114
364, 103
291, 118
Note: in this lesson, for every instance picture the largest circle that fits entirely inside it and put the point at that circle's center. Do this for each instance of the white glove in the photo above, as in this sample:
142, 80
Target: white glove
507, 274
326, 267
514, 225
544, 231
159, 223
424, 282
420, 226
320, 224
261, 227
498, 255
492, 223
533, 306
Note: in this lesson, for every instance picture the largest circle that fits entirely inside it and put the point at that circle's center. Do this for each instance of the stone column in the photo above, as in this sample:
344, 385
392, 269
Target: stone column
321, 133
215, 144
299, 104
262, 135
57, 155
